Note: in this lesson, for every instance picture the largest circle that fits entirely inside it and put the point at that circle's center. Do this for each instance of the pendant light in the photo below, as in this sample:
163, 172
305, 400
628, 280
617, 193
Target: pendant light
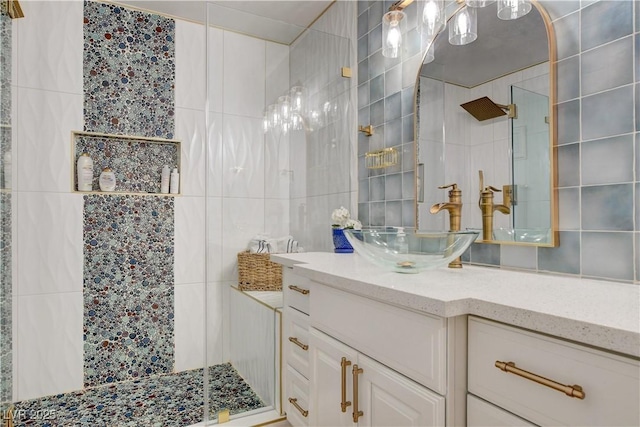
393, 28
431, 17
513, 9
463, 28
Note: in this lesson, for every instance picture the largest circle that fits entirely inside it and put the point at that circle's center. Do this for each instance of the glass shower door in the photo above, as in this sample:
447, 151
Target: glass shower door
531, 157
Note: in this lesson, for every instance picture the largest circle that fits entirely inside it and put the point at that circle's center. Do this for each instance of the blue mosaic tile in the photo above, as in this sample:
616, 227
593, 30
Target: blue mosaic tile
6, 341
129, 71
128, 287
136, 163
164, 400
5, 68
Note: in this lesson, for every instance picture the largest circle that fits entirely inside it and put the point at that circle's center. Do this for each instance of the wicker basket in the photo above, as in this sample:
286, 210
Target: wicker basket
257, 273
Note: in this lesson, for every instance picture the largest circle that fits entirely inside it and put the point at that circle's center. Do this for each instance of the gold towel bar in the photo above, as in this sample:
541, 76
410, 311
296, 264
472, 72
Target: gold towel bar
570, 390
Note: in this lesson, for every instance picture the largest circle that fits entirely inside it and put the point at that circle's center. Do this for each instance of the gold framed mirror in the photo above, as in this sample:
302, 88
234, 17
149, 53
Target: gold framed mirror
485, 120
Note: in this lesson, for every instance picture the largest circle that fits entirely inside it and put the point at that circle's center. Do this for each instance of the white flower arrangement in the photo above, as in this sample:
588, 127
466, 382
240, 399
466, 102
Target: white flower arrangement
342, 219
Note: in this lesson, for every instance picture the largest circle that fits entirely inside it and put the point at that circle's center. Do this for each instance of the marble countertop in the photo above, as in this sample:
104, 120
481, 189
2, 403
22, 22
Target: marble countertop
599, 313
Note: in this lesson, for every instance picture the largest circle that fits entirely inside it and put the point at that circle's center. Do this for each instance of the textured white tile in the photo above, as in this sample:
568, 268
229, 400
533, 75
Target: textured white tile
190, 83
244, 75
190, 129
189, 239
50, 251
49, 344
298, 164
242, 219
189, 326
215, 68
44, 122
215, 324
243, 158
276, 218
277, 71
277, 172
46, 61
214, 239
214, 170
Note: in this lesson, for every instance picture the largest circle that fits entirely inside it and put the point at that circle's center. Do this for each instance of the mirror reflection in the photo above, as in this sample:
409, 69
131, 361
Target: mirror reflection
485, 122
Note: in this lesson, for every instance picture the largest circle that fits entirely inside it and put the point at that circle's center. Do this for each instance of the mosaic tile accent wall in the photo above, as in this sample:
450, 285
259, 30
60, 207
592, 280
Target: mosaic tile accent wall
128, 287
6, 312
136, 163
129, 74
129, 71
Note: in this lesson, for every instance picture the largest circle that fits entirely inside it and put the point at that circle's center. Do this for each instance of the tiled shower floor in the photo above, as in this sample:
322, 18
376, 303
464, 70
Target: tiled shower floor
173, 400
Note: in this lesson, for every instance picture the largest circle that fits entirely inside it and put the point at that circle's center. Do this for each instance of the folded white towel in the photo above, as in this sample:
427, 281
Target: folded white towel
261, 244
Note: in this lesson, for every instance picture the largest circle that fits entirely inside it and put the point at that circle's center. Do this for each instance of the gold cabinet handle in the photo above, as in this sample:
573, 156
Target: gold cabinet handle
570, 390
356, 413
298, 343
297, 289
294, 402
343, 364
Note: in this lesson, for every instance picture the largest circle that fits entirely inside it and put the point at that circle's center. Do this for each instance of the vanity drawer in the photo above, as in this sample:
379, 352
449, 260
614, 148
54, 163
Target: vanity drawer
296, 290
296, 402
408, 342
296, 340
610, 383
482, 414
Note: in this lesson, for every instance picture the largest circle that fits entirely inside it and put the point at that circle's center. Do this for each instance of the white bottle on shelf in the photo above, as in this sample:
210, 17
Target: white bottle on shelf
175, 181
107, 180
164, 181
85, 172
402, 246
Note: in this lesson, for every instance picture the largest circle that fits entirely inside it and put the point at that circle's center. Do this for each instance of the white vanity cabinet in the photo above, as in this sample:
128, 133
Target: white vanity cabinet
547, 381
385, 364
295, 344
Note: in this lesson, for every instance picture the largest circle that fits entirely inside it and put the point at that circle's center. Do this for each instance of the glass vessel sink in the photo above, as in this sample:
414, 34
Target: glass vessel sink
523, 235
420, 250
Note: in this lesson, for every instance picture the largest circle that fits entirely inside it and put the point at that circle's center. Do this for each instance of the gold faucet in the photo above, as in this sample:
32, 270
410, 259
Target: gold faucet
454, 206
487, 207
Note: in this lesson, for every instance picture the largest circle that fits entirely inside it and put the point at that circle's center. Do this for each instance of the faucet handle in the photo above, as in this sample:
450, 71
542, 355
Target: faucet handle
453, 186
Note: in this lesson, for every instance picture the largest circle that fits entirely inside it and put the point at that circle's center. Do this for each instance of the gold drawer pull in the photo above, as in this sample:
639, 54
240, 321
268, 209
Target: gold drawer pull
294, 402
298, 343
356, 413
343, 364
569, 390
297, 289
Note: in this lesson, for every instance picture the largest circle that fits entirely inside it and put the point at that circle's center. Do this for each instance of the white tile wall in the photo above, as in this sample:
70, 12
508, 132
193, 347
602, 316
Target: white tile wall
189, 240
244, 75
190, 130
243, 157
189, 326
190, 65
216, 347
49, 346
215, 69
49, 242
45, 120
59, 57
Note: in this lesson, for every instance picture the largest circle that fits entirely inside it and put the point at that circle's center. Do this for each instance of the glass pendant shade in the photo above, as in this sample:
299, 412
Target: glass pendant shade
429, 57
463, 28
478, 3
393, 27
513, 9
432, 18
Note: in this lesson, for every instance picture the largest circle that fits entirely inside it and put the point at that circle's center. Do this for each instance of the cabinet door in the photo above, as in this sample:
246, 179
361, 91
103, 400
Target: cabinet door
482, 414
326, 380
387, 398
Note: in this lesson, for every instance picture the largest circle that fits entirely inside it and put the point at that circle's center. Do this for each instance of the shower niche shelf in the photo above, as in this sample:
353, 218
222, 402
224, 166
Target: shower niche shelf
137, 161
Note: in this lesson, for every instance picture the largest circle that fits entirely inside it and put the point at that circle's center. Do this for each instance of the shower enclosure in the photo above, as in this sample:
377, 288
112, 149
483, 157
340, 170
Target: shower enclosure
122, 308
